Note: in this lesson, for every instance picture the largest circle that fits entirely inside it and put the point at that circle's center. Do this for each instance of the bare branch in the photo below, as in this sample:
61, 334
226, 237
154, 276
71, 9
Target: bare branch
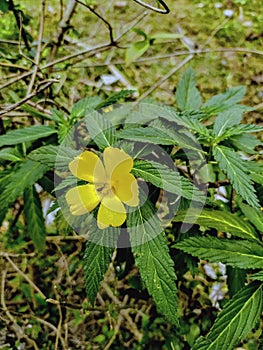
112, 41
165, 9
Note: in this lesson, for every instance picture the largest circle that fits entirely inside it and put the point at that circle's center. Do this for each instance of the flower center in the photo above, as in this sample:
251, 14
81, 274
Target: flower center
106, 189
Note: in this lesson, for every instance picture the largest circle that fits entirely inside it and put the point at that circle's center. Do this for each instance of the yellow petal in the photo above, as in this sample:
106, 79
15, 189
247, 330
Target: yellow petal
111, 212
126, 188
116, 162
88, 166
82, 199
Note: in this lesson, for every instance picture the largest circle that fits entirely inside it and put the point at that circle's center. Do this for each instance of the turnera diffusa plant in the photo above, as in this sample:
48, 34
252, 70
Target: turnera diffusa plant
136, 166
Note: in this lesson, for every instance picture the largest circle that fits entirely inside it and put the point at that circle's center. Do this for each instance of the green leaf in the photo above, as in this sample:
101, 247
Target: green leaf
84, 105
34, 217
226, 119
221, 102
68, 182
257, 276
4, 5
136, 50
236, 279
235, 168
238, 317
255, 216
187, 95
31, 133
152, 257
163, 177
169, 36
54, 156
26, 175
100, 129
245, 143
219, 220
46, 155
242, 254
195, 125
241, 129
160, 134
256, 172
97, 258
10, 154
114, 98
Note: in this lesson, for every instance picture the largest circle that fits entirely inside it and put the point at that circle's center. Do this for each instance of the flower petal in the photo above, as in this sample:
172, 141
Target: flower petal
88, 166
82, 199
111, 212
126, 188
116, 162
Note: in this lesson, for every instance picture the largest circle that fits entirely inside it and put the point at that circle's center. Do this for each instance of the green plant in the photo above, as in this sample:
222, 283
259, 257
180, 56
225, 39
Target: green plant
183, 155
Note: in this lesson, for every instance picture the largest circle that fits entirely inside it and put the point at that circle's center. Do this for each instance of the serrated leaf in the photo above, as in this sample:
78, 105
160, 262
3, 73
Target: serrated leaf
159, 134
34, 217
10, 154
195, 125
97, 258
152, 257
163, 177
257, 276
45, 155
24, 176
242, 254
234, 167
68, 182
253, 215
187, 95
221, 102
114, 98
238, 317
84, 105
256, 172
100, 129
225, 120
31, 133
236, 279
245, 143
219, 220
241, 129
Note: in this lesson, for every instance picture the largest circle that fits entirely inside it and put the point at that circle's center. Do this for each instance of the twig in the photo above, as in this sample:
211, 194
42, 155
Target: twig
112, 41
64, 25
15, 326
25, 99
5, 254
153, 8
218, 183
18, 22
92, 51
21, 273
175, 54
39, 46
123, 312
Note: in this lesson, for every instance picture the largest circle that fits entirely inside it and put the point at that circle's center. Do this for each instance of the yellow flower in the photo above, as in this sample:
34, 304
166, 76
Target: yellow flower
110, 183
